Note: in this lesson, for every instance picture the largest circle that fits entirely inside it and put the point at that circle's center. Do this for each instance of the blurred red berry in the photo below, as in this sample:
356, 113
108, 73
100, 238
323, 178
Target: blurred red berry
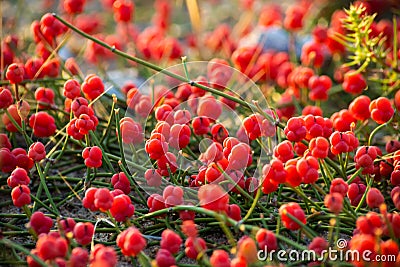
170, 241
359, 108
92, 87
74, 6
131, 242
40, 223
79, 257
213, 197
312, 54
6, 98
51, 246
296, 211
294, 17
83, 233
338, 185
194, 246
354, 82
164, 258
334, 202
220, 258
19, 176
8, 161
374, 198
155, 202
266, 240
15, 73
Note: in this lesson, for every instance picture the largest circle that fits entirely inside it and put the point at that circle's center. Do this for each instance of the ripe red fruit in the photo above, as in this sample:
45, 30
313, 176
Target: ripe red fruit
294, 17
209, 107
131, 242
201, 125
381, 110
37, 151
364, 158
72, 89
342, 120
6, 98
219, 132
40, 223
318, 244
312, 54
88, 200
354, 82
155, 202
319, 147
92, 87
166, 164
122, 208
295, 210
274, 173
343, 142
84, 124
355, 193
312, 110
13, 110
153, 178
79, 257
18, 177
338, 185
15, 73
66, 225
74, 6
397, 100
132, 132
308, 169
123, 10
92, 156
7, 160
233, 212
293, 178
374, 198
103, 256
239, 157
213, 197
334, 202
156, 146
295, 129
164, 258
21, 195
220, 258
194, 246
247, 250
22, 159
103, 199
51, 246
317, 126
43, 124
319, 86
4, 142
83, 233
359, 108
252, 125
266, 240
179, 136
170, 241
182, 116
120, 181
173, 195
45, 97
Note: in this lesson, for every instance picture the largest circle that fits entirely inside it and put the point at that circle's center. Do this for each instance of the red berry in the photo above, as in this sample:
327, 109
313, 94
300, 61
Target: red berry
103, 256
15, 73
247, 250
170, 241
13, 110
308, 169
213, 197
359, 108
21, 195
167, 163
6, 98
354, 82
294, 17
173, 195
156, 146
92, 87
312, 54
92, 156
296, 211
79, 257
319, 147
66, 225
18, 177
209, 107
194, 246
22, 158
164, 258
131, 242
374, 198
83, 233
122, 208
266, 240
338, 185
43, 124
334, 202
342, 120
220, 258
51, 246
155, 202
319, 245
364, 158
45, 97
37, 151
179, 136
120, 181
4, 142
295, 129
74, 6
233, 212
355, 193
72, 89
84, 124
88, 200
8, 161
123, 10
40, 223
274, 173
239, 157
153, 178
312, 110
103, 199
219, 133
381, 110
201, 125
293, 178
319, 87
